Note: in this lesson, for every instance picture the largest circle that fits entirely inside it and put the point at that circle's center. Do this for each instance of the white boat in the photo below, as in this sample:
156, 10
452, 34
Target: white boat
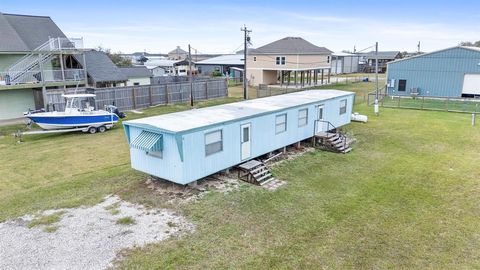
76, 115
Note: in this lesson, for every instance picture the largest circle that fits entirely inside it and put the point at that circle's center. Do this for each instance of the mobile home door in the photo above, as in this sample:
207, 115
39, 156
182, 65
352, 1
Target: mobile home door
320, 126
245, 144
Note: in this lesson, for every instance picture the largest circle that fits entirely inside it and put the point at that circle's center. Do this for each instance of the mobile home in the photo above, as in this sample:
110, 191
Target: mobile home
186, 146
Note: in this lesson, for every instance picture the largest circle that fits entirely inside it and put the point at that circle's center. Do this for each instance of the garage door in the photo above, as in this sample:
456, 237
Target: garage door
471, 84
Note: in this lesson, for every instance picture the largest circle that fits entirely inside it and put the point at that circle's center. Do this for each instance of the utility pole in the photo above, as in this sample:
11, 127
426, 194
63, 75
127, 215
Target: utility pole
190, 79
246, 39
376, 79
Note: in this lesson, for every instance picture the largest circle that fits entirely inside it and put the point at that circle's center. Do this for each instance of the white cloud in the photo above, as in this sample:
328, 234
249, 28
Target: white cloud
221, 34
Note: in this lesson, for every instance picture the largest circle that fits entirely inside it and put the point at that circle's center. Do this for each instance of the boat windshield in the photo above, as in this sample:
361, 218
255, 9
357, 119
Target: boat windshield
79, 104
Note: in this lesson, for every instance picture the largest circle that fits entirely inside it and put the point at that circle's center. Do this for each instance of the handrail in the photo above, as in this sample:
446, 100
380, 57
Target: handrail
51, 45
341, 135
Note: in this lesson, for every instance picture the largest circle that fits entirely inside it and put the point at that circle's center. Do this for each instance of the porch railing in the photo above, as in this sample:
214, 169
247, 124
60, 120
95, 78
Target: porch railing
37, 76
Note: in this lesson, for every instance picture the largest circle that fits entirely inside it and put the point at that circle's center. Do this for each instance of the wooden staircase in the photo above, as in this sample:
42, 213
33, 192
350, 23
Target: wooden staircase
334, 141
255, 172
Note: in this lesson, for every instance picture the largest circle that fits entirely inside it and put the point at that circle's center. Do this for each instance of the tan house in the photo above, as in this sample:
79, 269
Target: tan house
289, 61
178, 54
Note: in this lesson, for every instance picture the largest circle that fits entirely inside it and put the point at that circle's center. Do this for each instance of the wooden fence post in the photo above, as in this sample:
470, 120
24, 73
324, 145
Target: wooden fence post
166, 94
206, 90
150, 94
134, 98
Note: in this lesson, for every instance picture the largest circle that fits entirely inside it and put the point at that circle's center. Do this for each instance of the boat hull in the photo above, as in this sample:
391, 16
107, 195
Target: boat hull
72, 121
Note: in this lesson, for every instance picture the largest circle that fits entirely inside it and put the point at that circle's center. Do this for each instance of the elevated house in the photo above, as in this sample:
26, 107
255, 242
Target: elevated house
138, 75
451, 72
186, 146
290, 60
35, 55
367, 60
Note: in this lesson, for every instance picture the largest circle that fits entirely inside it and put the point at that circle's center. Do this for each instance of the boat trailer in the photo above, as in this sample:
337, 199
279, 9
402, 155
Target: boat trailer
90, 129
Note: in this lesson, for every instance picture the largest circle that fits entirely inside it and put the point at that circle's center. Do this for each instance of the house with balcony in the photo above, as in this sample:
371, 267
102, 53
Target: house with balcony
290, 61
36, 57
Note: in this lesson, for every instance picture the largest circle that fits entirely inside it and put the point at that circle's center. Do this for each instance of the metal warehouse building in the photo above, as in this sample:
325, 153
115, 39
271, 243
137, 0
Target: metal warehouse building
451, 72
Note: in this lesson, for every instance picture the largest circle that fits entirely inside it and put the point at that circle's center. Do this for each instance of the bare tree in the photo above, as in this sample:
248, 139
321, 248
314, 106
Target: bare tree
470, 44
116, 57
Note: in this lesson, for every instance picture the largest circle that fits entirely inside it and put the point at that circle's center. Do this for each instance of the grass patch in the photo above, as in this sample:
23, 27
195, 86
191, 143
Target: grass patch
113, 208
114, 211
465, 105
125, 221
46, 220
172, 224
50, 229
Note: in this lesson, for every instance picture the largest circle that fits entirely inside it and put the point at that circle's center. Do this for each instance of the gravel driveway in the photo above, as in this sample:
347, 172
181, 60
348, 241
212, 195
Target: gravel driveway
86, 237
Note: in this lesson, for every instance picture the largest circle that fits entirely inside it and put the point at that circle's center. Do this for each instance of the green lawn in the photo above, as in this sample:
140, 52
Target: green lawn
406, 197
432, 104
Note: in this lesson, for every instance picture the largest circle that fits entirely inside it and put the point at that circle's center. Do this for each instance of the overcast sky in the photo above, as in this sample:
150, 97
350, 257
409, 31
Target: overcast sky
214, 26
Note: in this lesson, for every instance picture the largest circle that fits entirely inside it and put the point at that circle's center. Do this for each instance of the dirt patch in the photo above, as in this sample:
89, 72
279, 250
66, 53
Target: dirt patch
179, 194
85, 237
292, 153
223, 182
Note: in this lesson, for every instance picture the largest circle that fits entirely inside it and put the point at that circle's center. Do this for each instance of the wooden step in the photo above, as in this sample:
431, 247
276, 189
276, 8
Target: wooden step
268, 175
257, 169
260, 173
267, 181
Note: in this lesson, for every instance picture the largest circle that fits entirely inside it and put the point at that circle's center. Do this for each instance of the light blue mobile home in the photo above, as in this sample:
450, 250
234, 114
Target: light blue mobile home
452, 72
186, 146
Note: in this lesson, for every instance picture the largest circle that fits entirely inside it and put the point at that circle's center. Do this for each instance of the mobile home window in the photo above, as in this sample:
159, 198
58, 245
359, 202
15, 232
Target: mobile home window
157, 154
302, 117
402, 85
280, 123
213, 142
280, 60
343, 106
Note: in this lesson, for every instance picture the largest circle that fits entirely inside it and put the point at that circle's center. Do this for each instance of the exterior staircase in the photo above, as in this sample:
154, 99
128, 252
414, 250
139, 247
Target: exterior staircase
328, 137
255, 172
29, 68
334, 141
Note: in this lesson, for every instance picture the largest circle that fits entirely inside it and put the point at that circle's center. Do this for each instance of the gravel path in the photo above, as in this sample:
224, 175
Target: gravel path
86, 238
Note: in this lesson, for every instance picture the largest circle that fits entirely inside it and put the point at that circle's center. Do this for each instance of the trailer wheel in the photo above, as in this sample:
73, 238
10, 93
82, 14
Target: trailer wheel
102, 129
92, 130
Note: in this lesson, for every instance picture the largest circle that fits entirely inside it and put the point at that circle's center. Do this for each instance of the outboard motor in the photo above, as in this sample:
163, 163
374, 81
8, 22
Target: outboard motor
114, 109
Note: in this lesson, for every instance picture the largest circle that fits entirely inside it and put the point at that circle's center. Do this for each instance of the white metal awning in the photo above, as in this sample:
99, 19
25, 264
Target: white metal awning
148, 141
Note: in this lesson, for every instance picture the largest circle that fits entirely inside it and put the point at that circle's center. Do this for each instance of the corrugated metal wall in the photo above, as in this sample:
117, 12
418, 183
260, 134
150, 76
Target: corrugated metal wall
438, 74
